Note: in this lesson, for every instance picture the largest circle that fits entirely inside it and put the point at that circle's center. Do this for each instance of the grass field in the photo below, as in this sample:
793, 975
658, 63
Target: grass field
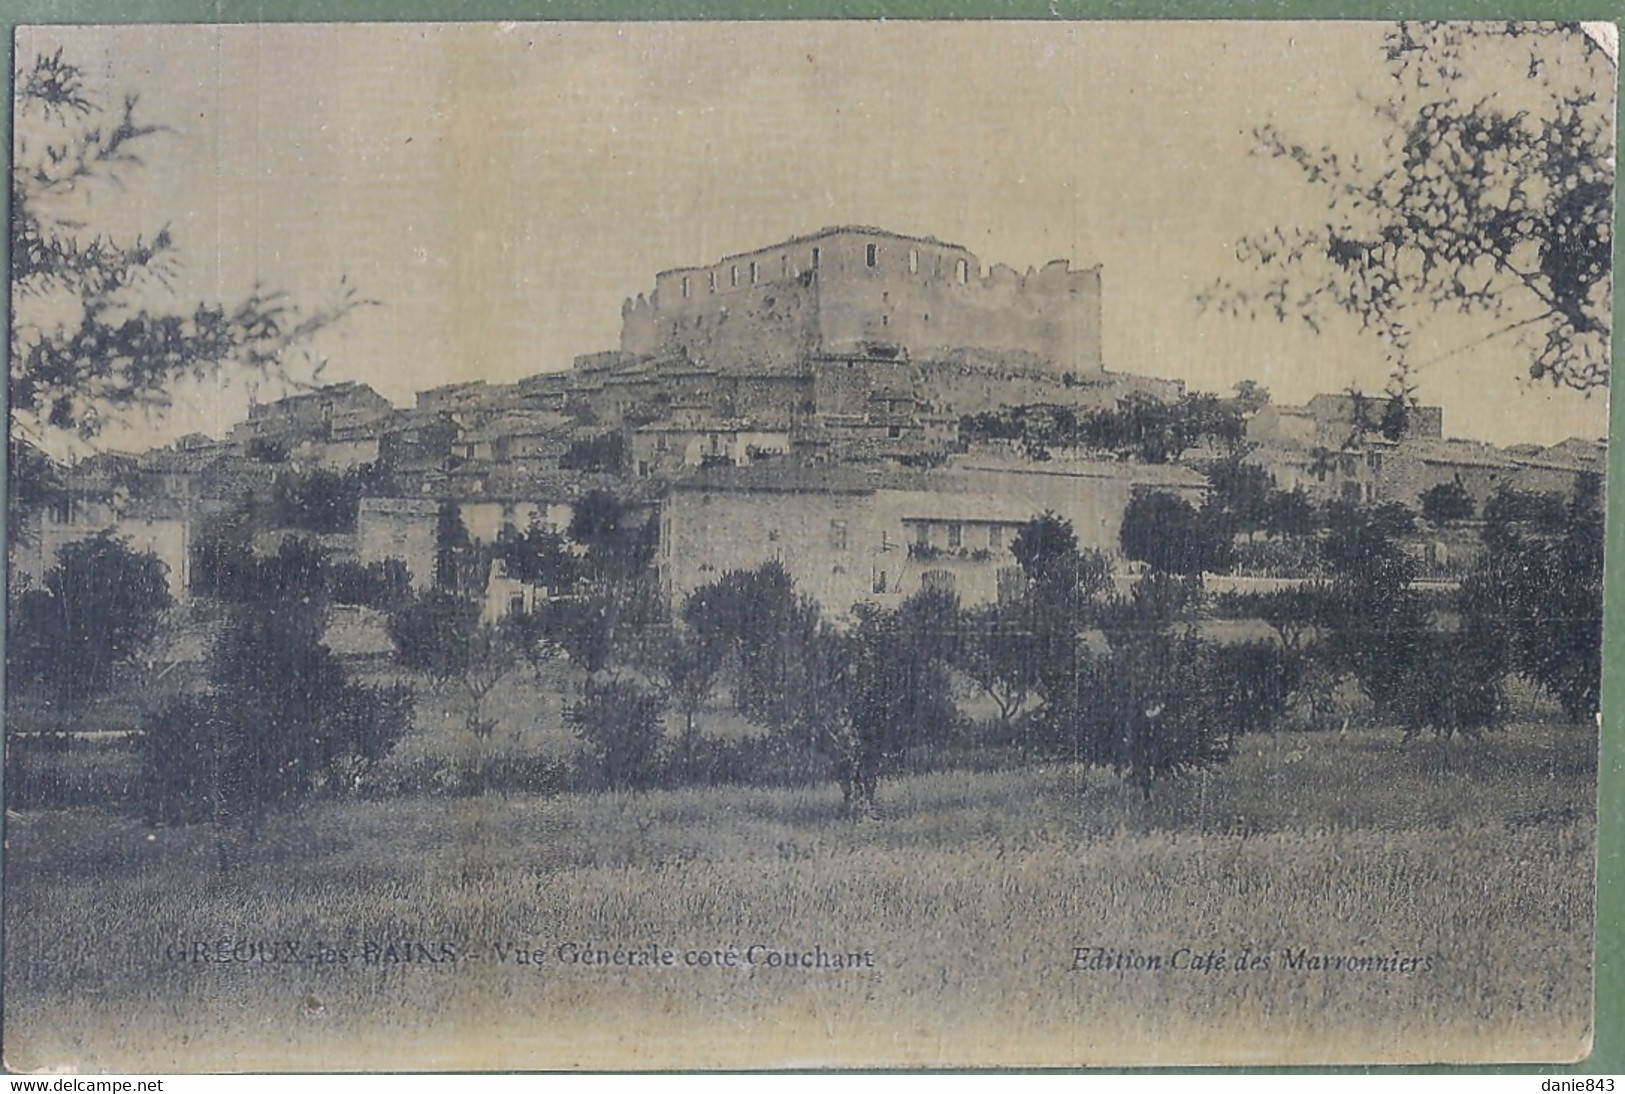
972, 891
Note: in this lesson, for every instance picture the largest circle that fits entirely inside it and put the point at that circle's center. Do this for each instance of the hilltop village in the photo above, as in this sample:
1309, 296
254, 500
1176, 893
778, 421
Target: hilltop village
876, 411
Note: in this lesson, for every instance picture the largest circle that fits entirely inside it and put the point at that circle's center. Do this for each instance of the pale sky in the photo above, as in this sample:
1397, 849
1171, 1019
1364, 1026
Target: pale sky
502, 188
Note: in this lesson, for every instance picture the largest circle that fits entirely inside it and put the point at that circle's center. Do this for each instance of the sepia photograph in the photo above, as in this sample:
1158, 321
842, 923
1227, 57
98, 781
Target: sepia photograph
805, 545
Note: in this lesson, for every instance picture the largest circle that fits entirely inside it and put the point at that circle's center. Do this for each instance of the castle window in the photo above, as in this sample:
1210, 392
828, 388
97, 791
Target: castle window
885, 320
962, 272
872, 255
815, 258
685, 288
753, 273
913, 260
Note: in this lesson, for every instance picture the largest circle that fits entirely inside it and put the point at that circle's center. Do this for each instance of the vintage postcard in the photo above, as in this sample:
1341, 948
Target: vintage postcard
797, 545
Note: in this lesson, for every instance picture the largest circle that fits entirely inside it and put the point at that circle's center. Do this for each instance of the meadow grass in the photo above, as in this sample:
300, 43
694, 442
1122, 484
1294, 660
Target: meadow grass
971, 889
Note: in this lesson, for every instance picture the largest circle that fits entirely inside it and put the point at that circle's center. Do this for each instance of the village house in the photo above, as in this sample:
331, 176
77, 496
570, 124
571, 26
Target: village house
850, 534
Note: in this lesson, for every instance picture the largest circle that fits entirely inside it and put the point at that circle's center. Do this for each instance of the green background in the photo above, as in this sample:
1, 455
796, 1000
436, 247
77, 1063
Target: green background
1608, 1055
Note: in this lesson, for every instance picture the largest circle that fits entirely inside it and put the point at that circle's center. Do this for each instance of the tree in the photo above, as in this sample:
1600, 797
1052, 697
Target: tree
1159, 708
440, 634
1446, 502
317, 500
1289, 513
101, 603
897, 690
280, 721
1489, 197
538, 556
458, 562
1167, 533
999, 654
1375, 623
1538, 589
1239, 498
618, 724
1064, 595
1249, 683
758, 623
87, 345
618, 548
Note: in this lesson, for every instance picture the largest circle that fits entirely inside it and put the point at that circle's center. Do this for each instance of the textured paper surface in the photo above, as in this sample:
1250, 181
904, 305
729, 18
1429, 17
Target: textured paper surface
500, 190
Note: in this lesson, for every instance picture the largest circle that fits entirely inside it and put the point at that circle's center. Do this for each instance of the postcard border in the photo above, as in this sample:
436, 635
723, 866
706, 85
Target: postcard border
1608, 1052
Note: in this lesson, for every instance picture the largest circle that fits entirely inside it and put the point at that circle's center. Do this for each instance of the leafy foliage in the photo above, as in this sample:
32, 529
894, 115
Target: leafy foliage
538, 556
1446, 502
1490, 196
1375, 620
898, 693
618, 724
279, 722
1538, 588
87, 346
1140, 427
607, 453
100, 604
618, 548
1167, 533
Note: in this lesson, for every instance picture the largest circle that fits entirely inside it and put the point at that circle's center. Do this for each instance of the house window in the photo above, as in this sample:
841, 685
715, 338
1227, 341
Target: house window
685, 288
956, 535
995, 537
913, 260
753, 273
713, 278
1373, 460
784, 265
922, 535
872, 256
815, 258
837, 535
733, 277
894, 431
962, 272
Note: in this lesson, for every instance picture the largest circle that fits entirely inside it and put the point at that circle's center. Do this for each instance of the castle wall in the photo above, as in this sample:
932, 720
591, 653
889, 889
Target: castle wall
771, 324
930, 301
852, 291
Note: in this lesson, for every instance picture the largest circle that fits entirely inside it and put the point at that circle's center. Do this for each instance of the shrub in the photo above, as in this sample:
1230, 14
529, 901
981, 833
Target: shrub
618, 724
279, 722
101, 603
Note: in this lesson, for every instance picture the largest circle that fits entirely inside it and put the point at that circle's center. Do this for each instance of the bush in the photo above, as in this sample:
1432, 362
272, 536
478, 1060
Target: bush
279, 723
618, 724
1446, 502
1167, 533
101, 603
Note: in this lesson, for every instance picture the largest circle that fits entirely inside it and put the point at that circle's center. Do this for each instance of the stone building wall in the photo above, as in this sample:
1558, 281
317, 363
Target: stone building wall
846, 291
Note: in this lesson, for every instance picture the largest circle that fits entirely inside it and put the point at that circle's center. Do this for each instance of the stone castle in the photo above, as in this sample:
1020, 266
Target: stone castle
864, 293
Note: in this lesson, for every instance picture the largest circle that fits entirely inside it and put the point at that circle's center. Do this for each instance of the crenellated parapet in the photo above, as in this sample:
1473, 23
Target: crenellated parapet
865, 291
